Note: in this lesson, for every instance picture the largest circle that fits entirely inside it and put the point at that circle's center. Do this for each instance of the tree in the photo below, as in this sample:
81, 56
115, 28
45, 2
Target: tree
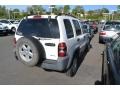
90, 12
35, 9
78, 9
57, 10
16, 13
54, 10
104, 10
3, 12
30, 10
38, 9
66, 9
16, 10
118, 9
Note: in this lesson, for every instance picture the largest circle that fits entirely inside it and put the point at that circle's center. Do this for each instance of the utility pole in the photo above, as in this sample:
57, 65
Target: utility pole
9, 13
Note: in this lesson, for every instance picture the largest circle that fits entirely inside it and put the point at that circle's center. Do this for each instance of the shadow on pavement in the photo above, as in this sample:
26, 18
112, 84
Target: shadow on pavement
80, 60
9, 34
82, 57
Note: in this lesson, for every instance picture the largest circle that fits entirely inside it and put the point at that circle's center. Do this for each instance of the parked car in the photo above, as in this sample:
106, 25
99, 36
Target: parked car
54, 42
3, 29
94, 25
11, 27
88, 29
101, 23
109, 30
111, 62
16, 23
11, 20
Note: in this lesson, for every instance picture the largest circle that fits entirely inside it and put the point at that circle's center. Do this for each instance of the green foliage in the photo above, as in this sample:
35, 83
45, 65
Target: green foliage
66, 9
3, 12
35, 9
104, 10
77, 11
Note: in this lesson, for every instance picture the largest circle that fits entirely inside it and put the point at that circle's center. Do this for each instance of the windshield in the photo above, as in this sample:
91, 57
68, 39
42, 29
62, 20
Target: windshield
111, 26
40, 27
4, 21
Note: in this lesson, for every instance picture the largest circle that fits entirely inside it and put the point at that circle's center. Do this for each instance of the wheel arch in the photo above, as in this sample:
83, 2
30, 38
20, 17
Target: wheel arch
77, 50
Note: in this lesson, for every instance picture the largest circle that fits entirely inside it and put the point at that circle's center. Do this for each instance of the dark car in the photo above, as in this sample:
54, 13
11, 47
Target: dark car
94, 25
87, 29
111, 62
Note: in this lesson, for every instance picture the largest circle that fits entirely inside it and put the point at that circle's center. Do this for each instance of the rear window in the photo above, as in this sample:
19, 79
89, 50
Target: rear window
46, 28
112, 26
77, 27
68, 27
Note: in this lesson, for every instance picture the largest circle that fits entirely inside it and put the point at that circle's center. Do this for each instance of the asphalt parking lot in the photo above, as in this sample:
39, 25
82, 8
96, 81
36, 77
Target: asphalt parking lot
14, 72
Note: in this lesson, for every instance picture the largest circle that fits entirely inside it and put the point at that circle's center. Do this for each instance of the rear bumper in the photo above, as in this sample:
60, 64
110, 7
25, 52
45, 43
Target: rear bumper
58, 65
103, 38
3, 31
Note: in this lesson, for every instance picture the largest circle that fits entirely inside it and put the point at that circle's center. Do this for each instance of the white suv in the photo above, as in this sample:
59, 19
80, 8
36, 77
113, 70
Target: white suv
11, 27
54, 42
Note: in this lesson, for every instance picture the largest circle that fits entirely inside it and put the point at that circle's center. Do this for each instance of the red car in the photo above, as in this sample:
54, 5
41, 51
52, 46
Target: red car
94, 26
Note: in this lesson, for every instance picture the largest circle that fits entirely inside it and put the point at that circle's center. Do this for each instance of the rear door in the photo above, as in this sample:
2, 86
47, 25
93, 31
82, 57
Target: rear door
46, 31
71, 42
79, 36
50, 43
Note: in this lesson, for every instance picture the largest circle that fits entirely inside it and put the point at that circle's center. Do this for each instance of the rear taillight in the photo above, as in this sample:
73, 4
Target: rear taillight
102, 33
14, 42
62, 50
36, 17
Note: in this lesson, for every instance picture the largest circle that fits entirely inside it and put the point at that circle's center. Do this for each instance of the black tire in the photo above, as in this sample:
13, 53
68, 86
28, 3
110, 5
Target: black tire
105, 77
6, 33
13, 29
100, 41
74, 67
88, 47
36, 49
103, 74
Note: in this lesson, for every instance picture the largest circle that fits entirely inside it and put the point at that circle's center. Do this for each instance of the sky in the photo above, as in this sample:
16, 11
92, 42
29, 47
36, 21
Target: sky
86, 7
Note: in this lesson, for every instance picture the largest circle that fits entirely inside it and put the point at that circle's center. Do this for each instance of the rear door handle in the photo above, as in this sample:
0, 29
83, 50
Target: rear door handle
50, 44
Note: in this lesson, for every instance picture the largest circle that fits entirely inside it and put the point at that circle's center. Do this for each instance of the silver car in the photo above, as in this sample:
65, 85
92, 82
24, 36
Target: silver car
3, 29
109, 30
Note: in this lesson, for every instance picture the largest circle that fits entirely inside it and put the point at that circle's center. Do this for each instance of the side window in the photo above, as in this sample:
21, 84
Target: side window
68, 27
77, 27
85, 29
116, 52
